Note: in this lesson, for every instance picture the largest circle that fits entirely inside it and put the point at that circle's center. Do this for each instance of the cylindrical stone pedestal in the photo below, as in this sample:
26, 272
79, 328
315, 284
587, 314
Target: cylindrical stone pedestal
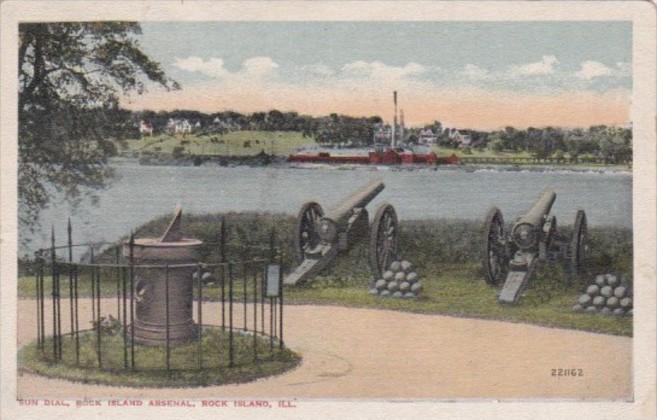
150, 290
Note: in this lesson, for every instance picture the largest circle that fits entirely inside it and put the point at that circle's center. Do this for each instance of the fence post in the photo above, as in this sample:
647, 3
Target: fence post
77, 316
230, 315
132, 300
69, 230
166, 308
117, 260
280, 290
38, 299
255, 315
271, 324
54, 294
263, 287
92, 275
42, 264
98, 321
222, 255
244, 280
124, 290
200, 318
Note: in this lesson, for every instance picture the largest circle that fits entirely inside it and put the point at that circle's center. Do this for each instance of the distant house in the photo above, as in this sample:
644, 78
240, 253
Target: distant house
145, 128
178, 126
427, 137
463, 140
219, 125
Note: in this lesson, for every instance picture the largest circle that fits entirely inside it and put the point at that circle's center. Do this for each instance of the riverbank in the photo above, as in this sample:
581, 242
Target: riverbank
264, 148
275, 161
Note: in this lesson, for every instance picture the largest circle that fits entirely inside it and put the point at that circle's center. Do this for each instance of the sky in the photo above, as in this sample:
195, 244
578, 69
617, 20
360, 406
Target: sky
481, 75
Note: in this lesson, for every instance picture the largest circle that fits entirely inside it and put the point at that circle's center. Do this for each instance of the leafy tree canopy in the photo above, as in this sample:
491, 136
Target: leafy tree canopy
70, 78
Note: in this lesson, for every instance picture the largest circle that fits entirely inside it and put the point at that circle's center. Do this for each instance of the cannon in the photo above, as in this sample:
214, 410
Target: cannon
534, 237
320, 237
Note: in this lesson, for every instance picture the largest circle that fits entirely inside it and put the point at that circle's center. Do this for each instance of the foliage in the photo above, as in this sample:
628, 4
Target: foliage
70, 78
609, 144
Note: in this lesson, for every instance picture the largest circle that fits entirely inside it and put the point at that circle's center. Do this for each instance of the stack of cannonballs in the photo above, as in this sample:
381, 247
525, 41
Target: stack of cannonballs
607, 295
399, 281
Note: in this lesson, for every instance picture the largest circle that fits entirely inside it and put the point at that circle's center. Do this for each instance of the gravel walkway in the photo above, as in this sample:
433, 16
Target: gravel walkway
367, 353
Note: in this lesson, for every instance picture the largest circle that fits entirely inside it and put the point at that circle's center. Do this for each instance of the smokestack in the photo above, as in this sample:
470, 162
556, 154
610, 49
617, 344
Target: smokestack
393, 141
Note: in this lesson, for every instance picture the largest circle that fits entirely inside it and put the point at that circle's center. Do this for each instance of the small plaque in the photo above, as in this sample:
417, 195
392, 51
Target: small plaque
273, 280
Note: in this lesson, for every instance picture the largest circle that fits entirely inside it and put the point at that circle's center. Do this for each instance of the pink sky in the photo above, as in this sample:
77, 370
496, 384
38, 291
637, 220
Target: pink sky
460, 107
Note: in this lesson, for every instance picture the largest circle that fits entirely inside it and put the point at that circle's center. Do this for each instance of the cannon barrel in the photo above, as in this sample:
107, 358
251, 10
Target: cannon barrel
536, 215
527, 230
359, 199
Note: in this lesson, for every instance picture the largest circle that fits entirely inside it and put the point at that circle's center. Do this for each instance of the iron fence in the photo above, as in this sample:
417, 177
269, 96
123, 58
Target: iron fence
107, 283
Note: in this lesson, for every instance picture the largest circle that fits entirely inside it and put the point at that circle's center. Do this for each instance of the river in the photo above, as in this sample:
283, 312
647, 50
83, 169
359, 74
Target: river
139, 193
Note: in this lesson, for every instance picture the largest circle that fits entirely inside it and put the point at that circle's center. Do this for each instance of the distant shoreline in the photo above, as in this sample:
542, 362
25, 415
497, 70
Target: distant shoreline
263, 159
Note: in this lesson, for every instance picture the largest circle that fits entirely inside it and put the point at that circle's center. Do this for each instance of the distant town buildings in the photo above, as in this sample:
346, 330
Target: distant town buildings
145, 128
179, 126
427, 137
463, 140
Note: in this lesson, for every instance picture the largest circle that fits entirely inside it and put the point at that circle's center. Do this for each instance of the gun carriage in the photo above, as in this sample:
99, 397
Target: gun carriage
321, 237
512, 257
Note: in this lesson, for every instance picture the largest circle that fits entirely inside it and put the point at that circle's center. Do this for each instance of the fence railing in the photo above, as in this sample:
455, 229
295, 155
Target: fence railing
236, 321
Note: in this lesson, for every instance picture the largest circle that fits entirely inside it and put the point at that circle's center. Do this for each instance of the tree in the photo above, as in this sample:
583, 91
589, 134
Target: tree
70, 79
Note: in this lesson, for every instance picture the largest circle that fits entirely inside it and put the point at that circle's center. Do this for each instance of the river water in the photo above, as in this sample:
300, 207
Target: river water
139, 193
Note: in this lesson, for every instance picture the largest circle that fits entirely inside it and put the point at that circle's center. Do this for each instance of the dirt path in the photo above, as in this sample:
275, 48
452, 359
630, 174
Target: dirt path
366, 353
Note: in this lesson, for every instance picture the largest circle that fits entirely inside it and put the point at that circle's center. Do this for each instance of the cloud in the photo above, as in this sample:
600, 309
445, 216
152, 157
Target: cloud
545, 66
214, 67
259, 66
254, 67
379, 70
474, 72
592, 69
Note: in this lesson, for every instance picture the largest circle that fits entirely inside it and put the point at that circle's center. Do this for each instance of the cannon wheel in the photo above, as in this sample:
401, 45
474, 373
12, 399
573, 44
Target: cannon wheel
384, 239
495, 256
306, 235
579, 246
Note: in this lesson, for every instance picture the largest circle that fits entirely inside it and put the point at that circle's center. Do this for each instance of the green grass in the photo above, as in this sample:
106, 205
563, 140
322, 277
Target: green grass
489, 153
458, 291
150, 361
271, 142
486, 152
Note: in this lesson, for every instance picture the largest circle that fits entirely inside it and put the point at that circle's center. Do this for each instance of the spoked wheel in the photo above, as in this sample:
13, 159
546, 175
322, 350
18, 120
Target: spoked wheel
307, 236
579, 247
495, 256
384, 239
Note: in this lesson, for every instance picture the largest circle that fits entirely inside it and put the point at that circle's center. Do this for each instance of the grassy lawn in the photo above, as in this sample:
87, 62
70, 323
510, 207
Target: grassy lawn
150, 361
446, 151
458, 292
232, 143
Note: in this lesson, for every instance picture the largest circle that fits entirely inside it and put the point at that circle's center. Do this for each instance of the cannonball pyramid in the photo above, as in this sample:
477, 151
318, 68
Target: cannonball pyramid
607, 295
399, 281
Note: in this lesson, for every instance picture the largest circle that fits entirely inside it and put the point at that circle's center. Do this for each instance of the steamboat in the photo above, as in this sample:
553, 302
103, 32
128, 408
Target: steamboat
380, 154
